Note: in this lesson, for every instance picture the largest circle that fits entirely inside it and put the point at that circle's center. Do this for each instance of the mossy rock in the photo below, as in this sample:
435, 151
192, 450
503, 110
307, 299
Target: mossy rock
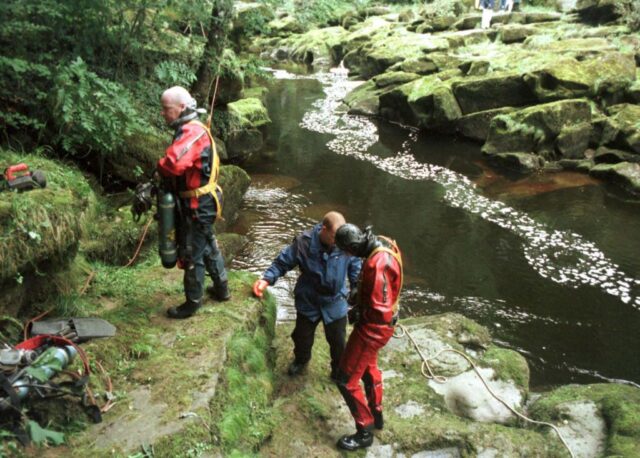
515, 33
534, 129
231, 81
573, 140
139, 155
394, 79
476, 125
492, 91
248, 113
624, 174
314, 47
625, 119
40, 229
523, 163
618, 405
112, 235
285, 26
602, 11
570, 78
234, 182
364, 100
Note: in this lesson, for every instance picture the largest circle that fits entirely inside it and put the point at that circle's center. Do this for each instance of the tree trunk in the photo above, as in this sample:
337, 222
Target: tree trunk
221, 16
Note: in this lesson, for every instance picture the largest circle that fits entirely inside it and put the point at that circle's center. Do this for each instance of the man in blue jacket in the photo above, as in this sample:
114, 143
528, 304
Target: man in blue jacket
320, 292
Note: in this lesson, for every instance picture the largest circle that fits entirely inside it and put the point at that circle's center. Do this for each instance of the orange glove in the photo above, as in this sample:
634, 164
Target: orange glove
259, 286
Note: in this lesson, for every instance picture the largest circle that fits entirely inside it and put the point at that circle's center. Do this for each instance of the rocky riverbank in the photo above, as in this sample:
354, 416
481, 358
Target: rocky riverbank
540, 90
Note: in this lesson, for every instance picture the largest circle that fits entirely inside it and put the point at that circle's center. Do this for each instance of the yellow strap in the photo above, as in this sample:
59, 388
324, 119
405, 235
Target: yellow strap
395, 252
212, 185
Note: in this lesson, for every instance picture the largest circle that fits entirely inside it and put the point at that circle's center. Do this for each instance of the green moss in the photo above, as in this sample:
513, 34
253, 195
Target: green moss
509, 365
248, 113
618, 404
42, 226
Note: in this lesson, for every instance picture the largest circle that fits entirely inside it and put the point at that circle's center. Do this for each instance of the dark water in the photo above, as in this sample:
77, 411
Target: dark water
550, 264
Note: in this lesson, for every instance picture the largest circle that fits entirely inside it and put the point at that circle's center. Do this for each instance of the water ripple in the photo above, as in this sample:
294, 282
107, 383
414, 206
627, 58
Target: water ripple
561, 256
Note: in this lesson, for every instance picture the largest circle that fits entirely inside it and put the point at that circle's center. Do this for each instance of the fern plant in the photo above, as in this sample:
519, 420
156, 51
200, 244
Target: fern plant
92, 112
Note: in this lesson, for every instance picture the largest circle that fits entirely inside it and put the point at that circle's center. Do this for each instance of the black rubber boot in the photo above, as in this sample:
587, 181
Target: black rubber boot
361, 439
296, 368
378, 419
220, 292
184, 310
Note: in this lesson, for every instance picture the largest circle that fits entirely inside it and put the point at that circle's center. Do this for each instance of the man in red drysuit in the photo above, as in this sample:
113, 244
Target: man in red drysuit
375, 315
190, 169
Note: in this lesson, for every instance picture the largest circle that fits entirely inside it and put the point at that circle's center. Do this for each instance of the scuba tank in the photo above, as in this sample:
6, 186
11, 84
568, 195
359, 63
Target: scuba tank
167, 229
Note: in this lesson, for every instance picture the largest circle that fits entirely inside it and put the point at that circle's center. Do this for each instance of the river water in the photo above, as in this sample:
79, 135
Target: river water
549, 263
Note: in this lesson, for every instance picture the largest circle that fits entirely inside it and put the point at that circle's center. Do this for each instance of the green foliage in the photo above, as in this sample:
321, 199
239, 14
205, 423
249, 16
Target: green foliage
172, 73
322, 12
92, 112
633, 18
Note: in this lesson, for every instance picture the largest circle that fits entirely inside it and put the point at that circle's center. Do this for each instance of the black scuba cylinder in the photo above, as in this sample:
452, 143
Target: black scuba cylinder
167, 229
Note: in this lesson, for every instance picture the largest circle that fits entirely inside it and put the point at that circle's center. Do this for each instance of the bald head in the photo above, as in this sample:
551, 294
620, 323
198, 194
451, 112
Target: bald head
174, 101
177, 94
330, 224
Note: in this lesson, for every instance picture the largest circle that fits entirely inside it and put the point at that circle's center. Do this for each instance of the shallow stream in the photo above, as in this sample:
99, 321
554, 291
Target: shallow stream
549, 263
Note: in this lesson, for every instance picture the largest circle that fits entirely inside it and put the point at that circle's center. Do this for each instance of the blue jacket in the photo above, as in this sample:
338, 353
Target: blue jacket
320, 291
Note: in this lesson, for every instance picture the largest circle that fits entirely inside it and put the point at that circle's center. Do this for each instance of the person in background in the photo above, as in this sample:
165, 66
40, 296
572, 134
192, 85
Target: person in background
189, 169
487, 12
320, 291
374, 316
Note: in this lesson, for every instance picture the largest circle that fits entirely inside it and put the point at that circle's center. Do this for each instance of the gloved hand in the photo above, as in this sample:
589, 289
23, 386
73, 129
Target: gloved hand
353, 315
352, 298
259, 286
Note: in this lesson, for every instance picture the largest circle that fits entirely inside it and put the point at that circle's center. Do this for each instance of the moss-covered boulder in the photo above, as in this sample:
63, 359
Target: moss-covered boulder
247, 117
623, 174
394, 78
320, 47
476, 125
535, 129
433, 103
494, 90
248, 113
364, 100
617, 407
605, 155
625, 119
523, 163
234, 182
285, 25
515, 33
602, 11
139, 155
570, 78
40, 229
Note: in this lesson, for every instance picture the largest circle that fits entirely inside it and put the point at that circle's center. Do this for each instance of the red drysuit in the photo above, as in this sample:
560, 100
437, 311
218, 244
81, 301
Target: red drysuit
379, 289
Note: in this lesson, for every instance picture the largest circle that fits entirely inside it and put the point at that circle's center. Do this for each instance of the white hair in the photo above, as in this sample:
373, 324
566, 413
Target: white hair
178, 94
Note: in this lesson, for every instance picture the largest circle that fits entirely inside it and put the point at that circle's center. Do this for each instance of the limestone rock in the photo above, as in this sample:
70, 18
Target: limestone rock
624, 174
570, 78
534, 129
492, 91
626, 119
602, 11
573, 140
476, 125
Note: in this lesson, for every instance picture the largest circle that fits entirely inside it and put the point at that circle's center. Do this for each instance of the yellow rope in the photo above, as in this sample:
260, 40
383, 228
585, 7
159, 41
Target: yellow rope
428, 373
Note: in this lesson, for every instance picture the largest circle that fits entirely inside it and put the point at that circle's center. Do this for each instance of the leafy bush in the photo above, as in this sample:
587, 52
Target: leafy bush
91, 111
172, 73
